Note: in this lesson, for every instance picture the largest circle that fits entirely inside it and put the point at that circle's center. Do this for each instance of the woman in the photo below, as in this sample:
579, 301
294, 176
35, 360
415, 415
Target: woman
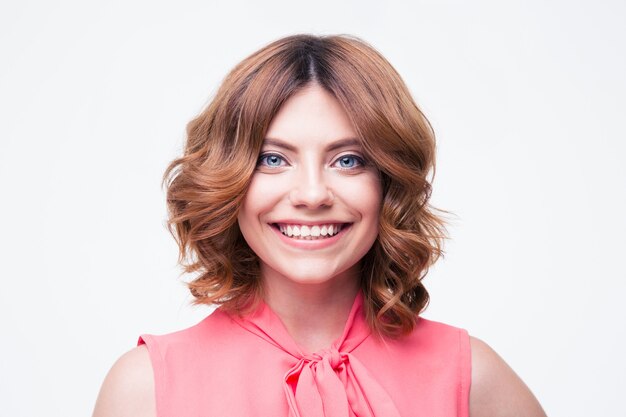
302, 202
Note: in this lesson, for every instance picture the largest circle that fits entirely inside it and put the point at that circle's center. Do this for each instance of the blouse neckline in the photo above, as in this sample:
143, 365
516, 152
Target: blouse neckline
331, 382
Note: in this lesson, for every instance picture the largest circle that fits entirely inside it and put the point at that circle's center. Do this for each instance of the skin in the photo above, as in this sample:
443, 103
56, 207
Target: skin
311, 171
128, 389
305, 176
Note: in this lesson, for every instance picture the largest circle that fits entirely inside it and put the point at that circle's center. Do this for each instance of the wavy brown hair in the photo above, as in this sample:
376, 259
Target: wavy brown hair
206, 186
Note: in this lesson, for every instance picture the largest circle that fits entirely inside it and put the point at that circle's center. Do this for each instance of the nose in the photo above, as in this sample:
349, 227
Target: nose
310, 189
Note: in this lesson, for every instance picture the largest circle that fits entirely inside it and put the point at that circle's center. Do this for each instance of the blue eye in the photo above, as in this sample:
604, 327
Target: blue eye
349, 161
271, 160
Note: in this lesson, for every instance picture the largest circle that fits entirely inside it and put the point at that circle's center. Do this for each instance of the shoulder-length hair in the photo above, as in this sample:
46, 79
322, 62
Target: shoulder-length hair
206, 186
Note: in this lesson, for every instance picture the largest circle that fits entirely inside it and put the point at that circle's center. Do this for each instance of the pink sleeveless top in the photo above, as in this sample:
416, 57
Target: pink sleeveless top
236, 367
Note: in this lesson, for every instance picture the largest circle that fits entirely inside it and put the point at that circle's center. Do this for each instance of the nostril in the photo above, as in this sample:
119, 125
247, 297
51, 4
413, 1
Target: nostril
317, 195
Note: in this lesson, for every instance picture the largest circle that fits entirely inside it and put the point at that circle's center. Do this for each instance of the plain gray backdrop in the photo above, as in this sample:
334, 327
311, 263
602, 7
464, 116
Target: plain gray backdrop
527, 101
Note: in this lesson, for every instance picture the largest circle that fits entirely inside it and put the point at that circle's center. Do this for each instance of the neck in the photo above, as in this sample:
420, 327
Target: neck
314, 314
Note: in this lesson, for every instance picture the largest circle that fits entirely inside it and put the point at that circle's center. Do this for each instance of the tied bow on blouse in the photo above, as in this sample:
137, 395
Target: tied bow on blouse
331, 382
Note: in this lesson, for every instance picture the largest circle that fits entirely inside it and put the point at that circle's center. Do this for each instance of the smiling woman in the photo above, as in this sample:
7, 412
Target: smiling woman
311, 210
262, 106
302, 200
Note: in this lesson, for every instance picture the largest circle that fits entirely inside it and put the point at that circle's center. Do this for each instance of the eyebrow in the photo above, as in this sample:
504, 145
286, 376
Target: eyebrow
341, 143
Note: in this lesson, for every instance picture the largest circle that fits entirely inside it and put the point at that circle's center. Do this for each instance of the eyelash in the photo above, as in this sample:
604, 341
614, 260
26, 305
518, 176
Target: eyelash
264, 157
358, 161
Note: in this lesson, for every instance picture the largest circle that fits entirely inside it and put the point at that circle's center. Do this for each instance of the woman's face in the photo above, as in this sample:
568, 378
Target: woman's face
311, 210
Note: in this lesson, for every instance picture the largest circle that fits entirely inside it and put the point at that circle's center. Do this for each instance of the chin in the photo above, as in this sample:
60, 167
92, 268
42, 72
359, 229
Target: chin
315, 275
311, 279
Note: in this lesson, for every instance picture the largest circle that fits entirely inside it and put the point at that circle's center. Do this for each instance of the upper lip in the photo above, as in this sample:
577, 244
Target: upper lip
308, 222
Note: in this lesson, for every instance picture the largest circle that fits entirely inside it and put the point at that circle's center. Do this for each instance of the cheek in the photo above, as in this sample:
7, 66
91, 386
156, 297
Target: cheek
261, 196
256, 188
365, 197
267, 186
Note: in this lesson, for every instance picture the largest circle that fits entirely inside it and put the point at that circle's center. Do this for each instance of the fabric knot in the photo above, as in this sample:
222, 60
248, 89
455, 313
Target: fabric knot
331, 355
334, 357
334, 384
329, 383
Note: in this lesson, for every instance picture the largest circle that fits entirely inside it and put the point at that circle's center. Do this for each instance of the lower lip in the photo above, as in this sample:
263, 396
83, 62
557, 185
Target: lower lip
312, 244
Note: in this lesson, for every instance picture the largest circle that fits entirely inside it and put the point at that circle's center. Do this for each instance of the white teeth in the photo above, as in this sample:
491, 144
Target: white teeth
309, 232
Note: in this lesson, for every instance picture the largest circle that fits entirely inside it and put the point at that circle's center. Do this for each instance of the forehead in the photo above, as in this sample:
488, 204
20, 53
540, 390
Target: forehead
311, 115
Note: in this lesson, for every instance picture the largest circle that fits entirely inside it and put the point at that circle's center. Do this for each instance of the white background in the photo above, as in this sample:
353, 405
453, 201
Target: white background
527, 100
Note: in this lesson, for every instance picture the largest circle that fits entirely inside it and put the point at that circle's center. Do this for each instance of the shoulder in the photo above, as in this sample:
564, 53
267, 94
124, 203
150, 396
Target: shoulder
496, 391
441, 338
173, 350
436, 330
128, 389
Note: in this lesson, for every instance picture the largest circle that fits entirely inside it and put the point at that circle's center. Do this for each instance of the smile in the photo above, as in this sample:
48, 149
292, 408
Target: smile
309, 232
